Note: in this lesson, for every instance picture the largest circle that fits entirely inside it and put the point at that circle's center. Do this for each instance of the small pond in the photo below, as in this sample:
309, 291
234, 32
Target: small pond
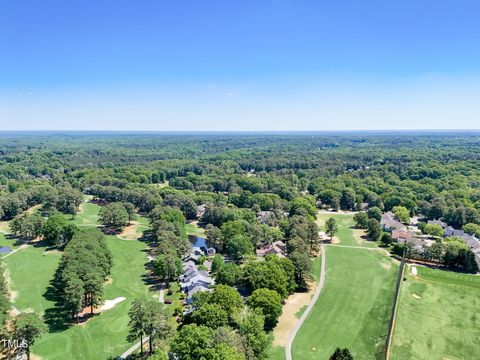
198, 241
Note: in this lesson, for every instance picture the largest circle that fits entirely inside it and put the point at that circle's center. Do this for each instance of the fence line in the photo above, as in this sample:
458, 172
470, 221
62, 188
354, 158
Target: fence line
394, 307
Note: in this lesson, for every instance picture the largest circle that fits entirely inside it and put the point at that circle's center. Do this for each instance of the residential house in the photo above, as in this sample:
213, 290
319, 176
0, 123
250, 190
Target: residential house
200, 211
196, 279
437, 222
281, 245
193, 279
264, 217
364, 206
472, 242
196, 289
277, 248
450, 231
192, 257
401, 234
416, 243
389, 223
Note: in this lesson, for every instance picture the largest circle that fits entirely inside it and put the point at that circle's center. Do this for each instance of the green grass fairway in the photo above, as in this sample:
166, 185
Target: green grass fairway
276, 353
105, 334
143, 225
30, 271
437, 316
354, 307
345, 232
88, 215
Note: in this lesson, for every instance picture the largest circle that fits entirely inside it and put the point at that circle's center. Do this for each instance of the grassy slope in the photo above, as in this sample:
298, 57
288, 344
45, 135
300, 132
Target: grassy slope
353, 309
437, 316
31, 270
194, 230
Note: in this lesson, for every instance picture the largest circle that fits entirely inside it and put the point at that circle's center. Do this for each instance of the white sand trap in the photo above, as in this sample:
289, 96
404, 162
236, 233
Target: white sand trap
414, 270
111, 303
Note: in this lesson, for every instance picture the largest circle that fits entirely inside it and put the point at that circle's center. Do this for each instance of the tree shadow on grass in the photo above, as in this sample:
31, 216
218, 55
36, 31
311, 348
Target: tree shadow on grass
18, 240
56, 317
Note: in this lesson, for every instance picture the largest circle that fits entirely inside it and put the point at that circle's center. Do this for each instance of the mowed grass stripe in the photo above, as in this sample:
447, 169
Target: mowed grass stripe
437, 316
354, 306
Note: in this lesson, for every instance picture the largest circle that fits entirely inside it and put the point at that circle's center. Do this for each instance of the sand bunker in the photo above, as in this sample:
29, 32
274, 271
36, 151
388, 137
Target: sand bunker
111, 303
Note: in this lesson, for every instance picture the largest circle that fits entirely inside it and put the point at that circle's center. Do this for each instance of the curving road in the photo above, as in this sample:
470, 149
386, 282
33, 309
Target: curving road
298, 324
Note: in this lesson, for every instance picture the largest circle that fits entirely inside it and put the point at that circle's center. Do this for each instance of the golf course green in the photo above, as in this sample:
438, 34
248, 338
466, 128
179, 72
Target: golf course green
437, 316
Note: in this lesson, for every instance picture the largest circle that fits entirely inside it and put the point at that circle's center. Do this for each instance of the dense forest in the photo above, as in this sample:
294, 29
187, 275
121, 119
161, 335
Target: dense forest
255, 190
435, 174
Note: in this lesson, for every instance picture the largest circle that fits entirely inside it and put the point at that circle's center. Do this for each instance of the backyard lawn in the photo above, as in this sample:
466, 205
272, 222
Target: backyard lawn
437, 316
194, 229
354, 306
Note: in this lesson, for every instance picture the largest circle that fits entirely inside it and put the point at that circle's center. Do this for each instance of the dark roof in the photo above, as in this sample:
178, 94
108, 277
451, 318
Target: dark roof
437, 222
388, 221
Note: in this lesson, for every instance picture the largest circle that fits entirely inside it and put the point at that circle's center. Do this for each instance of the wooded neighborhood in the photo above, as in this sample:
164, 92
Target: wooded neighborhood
197, 245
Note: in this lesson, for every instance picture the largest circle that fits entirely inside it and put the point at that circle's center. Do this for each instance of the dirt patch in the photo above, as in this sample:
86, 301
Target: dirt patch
287, 320
81, 208
33, 208
14, 311
415, 296
8, 280
4, 227
335, 240
85, 315
130, 232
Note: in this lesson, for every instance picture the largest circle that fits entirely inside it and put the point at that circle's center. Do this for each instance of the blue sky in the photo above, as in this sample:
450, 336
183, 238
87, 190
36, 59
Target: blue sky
239, 65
